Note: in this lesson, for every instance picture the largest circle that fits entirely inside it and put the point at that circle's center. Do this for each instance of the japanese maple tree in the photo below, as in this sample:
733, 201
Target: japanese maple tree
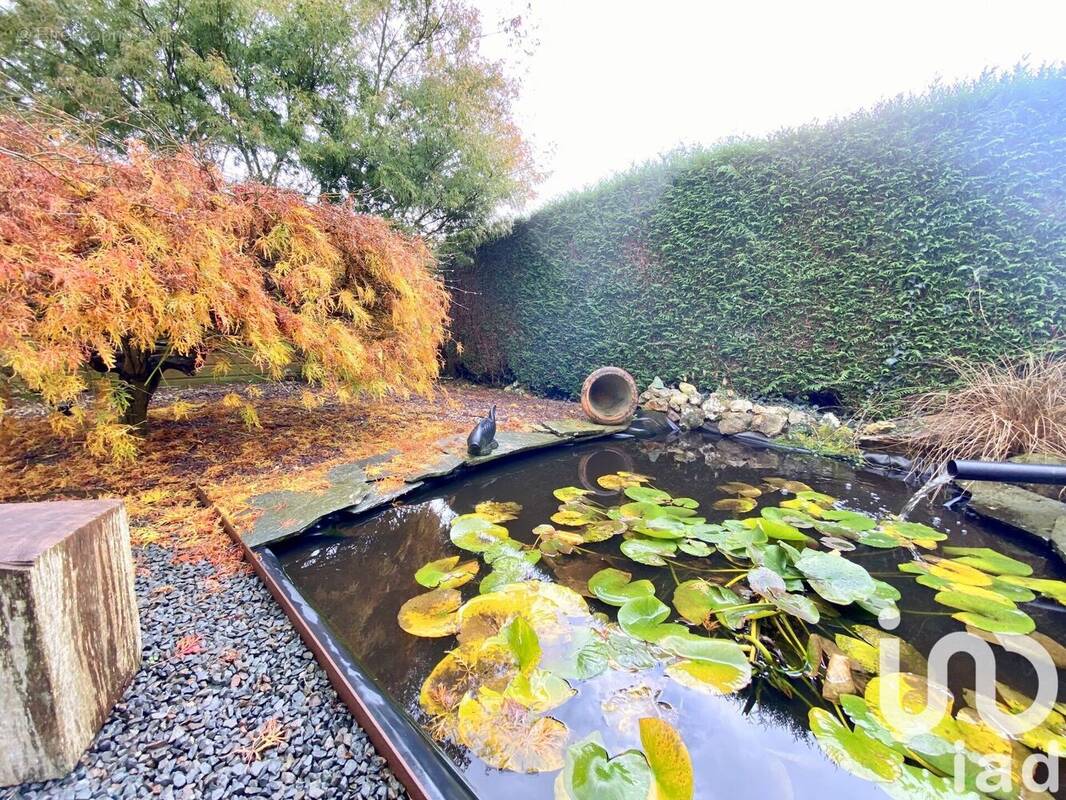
131, 266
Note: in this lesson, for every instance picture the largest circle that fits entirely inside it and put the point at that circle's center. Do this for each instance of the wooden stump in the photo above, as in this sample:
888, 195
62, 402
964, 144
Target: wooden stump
70, 638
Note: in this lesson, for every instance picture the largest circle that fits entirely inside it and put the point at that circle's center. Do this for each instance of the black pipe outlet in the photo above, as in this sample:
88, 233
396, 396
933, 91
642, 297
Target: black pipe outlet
1007, 472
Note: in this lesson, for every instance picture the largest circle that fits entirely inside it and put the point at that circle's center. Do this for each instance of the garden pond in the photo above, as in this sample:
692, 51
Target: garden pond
631, 618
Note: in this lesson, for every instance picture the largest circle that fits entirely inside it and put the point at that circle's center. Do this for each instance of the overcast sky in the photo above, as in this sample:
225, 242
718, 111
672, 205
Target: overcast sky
614, 83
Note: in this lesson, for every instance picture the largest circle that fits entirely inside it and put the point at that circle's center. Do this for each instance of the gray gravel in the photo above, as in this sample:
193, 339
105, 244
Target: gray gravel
179, 730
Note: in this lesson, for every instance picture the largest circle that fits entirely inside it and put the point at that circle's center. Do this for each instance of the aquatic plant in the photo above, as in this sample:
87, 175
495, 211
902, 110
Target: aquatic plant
781, 605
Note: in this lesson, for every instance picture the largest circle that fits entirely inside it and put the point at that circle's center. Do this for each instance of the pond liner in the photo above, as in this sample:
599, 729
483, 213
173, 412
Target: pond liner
418, 764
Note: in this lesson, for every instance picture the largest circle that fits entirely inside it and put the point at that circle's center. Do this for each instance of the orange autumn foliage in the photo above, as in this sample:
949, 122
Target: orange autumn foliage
130, 267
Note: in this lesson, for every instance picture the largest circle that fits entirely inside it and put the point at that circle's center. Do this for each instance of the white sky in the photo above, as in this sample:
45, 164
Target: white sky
615, 83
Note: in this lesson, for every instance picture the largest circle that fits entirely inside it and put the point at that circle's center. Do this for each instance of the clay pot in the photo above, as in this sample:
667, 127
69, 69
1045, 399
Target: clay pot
609, 396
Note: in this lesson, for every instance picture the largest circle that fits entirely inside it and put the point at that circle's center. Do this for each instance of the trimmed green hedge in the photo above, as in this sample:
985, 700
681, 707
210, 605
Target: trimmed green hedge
845, 260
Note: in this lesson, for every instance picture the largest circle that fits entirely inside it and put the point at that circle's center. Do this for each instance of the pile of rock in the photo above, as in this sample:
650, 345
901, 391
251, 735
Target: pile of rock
724, 411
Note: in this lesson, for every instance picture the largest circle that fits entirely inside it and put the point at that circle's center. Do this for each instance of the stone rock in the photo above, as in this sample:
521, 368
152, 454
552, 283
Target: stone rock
678, 399
657, 403
690, 418
877, 428
691, 391
799, 417
1031, 512
713, 407
770, 422
831, 420
740, 405
734, 422
657, 383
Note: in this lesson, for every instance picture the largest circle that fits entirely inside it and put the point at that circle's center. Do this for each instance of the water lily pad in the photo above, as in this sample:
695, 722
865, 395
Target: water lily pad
790, 516
663, 528
510, 569
852, 520
639, 616
616, 588
670, 763
551, 609
854, 750
984, 612
573, 518
914, 782
446, 573
603, 530
988, 560
590, 774
584, 655
496, 511
568, 494
712, 677
799, 606
539, 690
778, 529
475, 533
740, 488
835, 578
1056, 590
840, 545
552, 541
432, 614
618, 481
818, 498
738, 505
466, 669
793, 486
806, 506
508, 736
694, 547
685, 502
695, 600
646, 494
648, 551
916, 532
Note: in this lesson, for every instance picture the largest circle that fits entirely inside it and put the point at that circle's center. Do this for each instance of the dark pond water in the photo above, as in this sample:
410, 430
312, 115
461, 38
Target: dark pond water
750, 745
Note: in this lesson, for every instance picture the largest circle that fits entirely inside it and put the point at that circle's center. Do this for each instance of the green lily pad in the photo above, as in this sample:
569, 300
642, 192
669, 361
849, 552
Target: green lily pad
646, 494
475, 533
589, 774
568, 494
603, 530
639, 616
510, 569
712, 677
987, 611
613, 587
663, 528
854, 750
695, 600
852, 520
648, 551
446, 573
694, 547
835, 578
777, 529
1056, 590
799, 606
988, 560
685, 502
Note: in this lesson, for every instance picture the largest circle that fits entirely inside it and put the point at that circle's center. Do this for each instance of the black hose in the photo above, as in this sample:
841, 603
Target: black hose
1007, 472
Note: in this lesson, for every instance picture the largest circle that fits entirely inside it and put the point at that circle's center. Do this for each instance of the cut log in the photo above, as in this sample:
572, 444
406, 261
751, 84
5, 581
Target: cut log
70, 638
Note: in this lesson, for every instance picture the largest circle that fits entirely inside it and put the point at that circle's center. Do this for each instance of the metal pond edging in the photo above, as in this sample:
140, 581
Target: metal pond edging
425, 773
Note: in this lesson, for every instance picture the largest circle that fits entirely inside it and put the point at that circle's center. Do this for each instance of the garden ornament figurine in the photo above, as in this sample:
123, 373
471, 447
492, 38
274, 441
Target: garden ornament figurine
482, 440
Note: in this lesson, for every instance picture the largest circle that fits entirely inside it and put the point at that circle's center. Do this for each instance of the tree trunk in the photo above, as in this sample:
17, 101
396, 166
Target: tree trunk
141, 391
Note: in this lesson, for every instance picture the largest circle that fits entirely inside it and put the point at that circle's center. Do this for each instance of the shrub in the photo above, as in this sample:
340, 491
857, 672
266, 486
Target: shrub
842, 262
131, 267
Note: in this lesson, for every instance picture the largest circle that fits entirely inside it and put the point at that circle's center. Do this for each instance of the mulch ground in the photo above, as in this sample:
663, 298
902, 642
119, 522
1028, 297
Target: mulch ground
228, 702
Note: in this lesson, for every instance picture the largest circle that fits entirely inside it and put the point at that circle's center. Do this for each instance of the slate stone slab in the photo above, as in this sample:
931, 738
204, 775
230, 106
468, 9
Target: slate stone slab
288, 513
1038, 515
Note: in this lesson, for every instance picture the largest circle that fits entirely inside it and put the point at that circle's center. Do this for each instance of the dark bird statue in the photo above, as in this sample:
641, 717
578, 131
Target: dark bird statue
482, 440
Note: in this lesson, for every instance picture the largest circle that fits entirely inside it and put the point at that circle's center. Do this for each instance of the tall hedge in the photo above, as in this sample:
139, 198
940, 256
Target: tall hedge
845, 260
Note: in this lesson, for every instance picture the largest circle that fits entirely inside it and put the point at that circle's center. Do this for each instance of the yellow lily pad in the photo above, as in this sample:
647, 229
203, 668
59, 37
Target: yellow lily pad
431, 615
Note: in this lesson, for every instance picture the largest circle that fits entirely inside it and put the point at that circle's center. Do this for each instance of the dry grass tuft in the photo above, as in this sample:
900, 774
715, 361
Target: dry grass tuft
997, 411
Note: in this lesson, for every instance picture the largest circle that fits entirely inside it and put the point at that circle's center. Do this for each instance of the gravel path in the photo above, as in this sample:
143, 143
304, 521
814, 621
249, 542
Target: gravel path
183, 727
